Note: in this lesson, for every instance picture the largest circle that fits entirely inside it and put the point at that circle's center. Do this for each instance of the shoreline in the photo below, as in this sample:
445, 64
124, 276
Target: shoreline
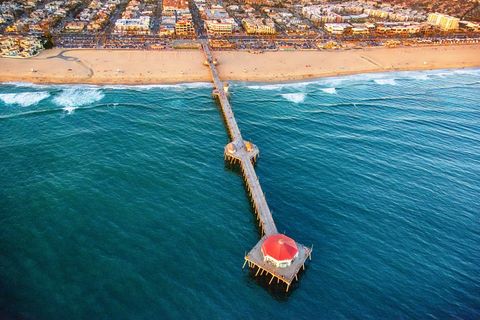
187, 83
130, 67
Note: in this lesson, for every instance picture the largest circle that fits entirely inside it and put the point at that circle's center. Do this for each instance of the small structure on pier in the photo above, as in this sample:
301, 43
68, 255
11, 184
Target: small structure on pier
279, 250
214, 61
279, 257
234, 152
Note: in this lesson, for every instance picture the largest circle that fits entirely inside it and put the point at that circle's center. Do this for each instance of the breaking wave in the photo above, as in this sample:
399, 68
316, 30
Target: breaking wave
294, 97
420, 77
178, 86
140, 87
77, 97
48, 86
468, 71
25, 85
69, 109
24, 99
280, 86
329, 90
385, 81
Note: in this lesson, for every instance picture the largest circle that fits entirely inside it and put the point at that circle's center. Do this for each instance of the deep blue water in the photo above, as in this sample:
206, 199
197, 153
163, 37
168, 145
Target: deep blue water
115, 202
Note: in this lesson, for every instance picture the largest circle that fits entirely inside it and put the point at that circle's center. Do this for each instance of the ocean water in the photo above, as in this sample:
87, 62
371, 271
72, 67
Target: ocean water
115, 202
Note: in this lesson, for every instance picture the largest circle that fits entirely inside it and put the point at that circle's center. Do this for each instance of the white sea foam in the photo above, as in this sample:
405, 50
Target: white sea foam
385, 78
25, 85
385, 81
294, 97
78, 96
329, 90
24, 99
420, 76
177, 87
379, 78
50, 86
444, 73
280, 86
194, 85
471, 71
334, 82
265, 87
69, 109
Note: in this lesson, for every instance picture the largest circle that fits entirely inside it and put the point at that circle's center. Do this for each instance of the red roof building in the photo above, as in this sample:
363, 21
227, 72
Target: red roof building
279, 250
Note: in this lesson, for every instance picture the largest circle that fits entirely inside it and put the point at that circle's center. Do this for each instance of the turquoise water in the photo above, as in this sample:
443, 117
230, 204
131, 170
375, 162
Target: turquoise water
115, 202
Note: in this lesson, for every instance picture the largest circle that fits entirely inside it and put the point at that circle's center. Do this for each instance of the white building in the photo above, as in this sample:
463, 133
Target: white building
224, 26
337, 28
140, 25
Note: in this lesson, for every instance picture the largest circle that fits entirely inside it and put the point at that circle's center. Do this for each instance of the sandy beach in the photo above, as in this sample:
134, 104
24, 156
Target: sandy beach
147, 67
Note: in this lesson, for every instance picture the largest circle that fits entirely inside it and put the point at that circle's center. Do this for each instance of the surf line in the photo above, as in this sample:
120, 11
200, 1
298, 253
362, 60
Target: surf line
275, 256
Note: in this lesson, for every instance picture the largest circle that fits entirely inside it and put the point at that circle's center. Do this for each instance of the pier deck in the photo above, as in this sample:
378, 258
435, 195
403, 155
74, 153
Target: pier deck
254, 258
245, 153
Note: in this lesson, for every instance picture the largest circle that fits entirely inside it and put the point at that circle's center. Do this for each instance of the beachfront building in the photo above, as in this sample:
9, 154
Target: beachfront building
359, 29
218, 21
20, 47
219, 27
443, 21
167, 26
133, 26
404, 28
167, 30
259, 26
337, 28
279, 250
184, 27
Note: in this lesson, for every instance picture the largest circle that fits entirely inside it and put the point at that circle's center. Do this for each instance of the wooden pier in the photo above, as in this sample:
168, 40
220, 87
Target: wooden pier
245, 153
